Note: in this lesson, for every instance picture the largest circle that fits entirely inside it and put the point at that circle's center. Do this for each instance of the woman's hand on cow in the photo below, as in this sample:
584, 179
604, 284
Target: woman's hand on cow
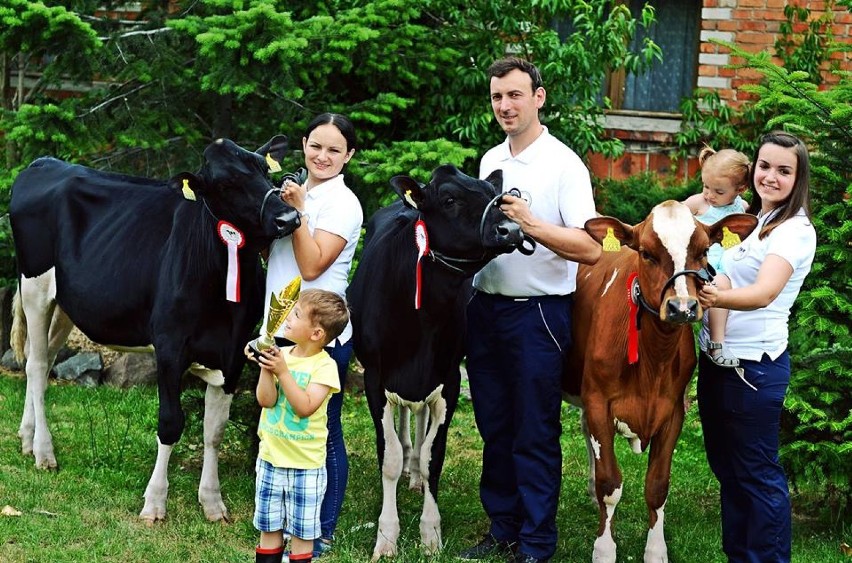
708, 295
294, 194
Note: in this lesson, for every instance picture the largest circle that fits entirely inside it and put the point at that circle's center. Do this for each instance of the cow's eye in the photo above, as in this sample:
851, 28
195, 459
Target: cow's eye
449, 201
646, 255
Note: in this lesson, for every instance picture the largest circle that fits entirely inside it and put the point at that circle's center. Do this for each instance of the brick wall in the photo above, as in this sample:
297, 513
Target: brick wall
753, 25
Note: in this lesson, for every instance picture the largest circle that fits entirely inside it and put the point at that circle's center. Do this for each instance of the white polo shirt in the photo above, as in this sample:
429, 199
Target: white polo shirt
331, 207
750, 334
560, 190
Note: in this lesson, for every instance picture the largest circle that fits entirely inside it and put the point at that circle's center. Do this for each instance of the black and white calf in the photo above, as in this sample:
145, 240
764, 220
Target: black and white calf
408, 299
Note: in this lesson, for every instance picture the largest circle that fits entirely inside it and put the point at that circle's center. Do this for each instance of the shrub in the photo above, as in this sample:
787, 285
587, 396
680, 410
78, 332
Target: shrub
631, 199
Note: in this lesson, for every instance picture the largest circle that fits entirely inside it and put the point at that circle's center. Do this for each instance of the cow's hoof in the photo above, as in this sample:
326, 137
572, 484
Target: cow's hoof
152, 514
218, 516
45, 462
214, 507
384, 548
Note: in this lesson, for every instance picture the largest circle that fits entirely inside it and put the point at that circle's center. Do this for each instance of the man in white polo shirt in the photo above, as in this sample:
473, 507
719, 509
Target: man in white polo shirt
519, 321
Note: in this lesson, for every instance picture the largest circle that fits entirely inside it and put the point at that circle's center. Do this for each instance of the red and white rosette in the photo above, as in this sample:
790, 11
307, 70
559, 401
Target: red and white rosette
421, 239
234, 240
633, 319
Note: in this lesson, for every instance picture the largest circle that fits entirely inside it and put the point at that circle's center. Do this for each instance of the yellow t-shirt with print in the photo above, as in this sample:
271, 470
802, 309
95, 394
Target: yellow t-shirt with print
287, 440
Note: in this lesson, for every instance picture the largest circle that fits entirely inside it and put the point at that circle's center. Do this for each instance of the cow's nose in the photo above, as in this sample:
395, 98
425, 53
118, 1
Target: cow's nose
680, 310
508, 232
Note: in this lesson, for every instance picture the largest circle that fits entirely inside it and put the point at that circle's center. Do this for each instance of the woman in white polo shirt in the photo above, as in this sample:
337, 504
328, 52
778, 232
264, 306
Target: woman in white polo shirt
740, 408
321, 251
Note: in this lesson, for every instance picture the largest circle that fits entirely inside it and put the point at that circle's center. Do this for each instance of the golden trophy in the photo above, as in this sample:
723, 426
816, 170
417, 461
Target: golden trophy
280, 306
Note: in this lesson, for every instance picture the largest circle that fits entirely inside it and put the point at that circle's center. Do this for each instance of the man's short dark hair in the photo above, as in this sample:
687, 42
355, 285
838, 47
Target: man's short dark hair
502, 67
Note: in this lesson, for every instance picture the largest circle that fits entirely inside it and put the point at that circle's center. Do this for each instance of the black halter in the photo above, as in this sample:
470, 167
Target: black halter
298, 177
495, 202
457, 265
705, 274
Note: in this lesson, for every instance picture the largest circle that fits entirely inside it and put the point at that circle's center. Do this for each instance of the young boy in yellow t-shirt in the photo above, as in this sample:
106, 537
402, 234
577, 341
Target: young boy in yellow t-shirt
294, 387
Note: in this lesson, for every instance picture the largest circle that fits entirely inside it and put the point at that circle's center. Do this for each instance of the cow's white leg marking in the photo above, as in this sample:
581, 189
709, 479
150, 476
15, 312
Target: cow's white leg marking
623, 429
431, 412
404, 433
209, 376
655, 548
609, 283
596, 446
604, 551
158, 486
590, 457
217, 408
388, 532
674, 226
47, 328
430, 519
416, 477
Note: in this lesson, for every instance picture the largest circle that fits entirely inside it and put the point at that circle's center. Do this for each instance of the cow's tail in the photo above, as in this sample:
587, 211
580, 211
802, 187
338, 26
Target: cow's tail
18, 335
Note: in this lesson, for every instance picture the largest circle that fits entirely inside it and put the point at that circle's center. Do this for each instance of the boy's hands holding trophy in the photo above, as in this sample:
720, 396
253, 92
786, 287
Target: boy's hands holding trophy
280, 306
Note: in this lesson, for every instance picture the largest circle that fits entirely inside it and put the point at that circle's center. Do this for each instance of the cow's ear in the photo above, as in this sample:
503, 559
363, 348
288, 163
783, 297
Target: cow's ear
729, 231
273, 151
187, 183
610, 233
408, 190
496, 180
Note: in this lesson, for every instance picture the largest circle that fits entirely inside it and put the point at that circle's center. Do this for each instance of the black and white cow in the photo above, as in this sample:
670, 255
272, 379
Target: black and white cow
408, 299
135, 262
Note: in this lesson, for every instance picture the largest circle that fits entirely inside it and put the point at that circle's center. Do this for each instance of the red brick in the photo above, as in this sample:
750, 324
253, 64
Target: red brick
741, 14
770, 15
751, 25
708, 70
753, 38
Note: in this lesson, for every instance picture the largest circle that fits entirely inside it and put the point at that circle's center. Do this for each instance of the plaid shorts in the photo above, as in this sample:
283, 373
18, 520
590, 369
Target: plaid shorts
289, 499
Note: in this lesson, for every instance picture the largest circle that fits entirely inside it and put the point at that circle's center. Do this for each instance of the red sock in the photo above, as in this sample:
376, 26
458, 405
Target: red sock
269, 550
301, 557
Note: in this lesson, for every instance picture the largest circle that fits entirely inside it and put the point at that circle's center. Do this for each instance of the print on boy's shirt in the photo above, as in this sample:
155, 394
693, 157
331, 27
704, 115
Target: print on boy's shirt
282, 409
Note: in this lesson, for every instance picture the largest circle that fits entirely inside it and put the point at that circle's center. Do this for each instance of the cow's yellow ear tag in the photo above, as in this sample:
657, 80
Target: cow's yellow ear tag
729, 239
187, 191
274, 166
409, 199
610, 243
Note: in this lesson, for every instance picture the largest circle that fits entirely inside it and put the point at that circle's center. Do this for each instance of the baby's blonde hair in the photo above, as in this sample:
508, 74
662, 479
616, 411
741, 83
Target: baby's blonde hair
731, 164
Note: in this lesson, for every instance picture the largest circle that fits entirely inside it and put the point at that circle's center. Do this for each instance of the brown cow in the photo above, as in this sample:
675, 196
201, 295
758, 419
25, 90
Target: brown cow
634, 351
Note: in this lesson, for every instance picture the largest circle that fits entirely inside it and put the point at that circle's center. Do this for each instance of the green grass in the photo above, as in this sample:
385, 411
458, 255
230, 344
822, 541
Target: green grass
105, 446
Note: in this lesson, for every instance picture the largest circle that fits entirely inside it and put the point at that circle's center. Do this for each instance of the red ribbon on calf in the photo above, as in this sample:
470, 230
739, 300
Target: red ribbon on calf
632, 321
421, 239
234, 239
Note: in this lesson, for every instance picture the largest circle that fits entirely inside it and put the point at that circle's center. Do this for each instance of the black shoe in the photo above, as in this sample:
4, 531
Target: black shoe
524, 558
488, 547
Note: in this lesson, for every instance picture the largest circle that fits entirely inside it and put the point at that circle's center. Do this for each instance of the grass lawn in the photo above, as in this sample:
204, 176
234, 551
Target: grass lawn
105, 446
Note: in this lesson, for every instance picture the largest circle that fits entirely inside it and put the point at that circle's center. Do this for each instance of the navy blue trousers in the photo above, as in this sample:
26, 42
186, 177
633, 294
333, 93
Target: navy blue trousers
336, 461
515, 354
741, 428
